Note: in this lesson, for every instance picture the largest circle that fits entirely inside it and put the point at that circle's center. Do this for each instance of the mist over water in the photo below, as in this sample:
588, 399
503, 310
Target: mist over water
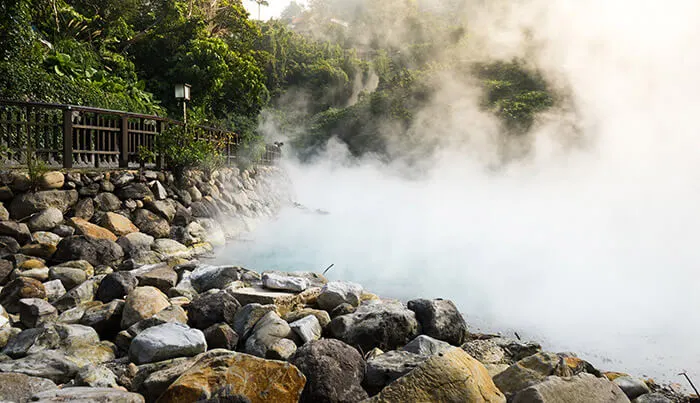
589, 244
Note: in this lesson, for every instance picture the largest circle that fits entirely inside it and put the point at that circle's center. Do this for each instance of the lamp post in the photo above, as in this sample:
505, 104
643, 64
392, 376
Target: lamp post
182, 94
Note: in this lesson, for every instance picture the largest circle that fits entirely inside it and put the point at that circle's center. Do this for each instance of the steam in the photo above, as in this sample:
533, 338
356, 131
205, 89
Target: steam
590, 244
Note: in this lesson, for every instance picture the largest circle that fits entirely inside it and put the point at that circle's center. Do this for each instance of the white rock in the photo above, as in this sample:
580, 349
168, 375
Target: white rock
308, 328
339, 292
166, 341
288, 283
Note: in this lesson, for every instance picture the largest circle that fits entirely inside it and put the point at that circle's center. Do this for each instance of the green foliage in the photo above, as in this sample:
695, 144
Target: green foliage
185, 148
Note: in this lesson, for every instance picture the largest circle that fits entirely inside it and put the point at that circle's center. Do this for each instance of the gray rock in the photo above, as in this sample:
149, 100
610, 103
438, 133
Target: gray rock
70, 277
383, 325
50, 364
21, 287
307, 328
136, 191
275, 281
122, 179
166, 341
31, 341
160, 276
135, 243
152, 380
45, 220
206, 277
338, 292
107, 202
426, 345
652, 398
107, 186
81, 294
579, 388
164, 208
85, 394
151, 223
632, 387
268, 331
34, 312
183, 236
85, 209
20, 387
211, 308
116, 285
19, 231
221, 335
89, 190
46, 238
96, 376
96, 251
158, 190
248, 316
388, 367
171, 314
440, 319
54, 290
182, 216
29, 203
105, 318
333, 370
63, 230
171, 248
322, 316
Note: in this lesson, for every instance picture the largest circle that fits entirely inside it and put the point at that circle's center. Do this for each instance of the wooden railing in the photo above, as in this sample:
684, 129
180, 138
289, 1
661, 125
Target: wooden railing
77, 136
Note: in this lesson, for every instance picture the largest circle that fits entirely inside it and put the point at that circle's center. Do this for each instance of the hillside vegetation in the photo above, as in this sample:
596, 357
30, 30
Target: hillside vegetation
356, 70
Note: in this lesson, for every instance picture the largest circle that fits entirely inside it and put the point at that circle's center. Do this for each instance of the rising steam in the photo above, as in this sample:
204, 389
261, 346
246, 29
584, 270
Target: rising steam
590, 244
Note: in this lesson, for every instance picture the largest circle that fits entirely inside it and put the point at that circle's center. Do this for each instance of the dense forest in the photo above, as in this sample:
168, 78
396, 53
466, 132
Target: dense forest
353, 69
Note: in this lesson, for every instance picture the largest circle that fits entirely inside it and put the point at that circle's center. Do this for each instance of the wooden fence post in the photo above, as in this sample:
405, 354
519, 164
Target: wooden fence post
67, 138
124, 143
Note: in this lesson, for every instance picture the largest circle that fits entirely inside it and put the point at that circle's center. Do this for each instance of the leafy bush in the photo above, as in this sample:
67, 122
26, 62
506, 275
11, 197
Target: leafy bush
184, 148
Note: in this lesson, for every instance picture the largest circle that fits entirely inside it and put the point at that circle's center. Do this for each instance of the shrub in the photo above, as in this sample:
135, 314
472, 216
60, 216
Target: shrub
185, 148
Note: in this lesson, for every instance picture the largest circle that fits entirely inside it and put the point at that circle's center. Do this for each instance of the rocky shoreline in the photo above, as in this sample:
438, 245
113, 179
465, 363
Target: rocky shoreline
107, 297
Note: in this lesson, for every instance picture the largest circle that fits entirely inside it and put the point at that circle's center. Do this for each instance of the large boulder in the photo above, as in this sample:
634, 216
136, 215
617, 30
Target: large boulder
29, 203
49, 364
387, 326
211, 308
440, 319
118, 224
266, 380
89, 229
96, 251
333, 370
45, 220
84, 394
579, 388
166, 341
20, 387
206, 277
142, 303
339, 292
452, 376
266, 334
151, 223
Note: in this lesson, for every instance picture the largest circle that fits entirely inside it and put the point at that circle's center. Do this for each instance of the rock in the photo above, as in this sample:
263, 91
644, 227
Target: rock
136, 191
579, 388
135, 243
107, 202
164, 208
248, 316
388, 367
4, 214
63, 230
211, 308
50, 364
20, 387
427, 346
107, 186
151, 223
51, 180
284, 301
8, 245
27, 204
87, 395
166, 341
170, 248
158, 190
142, 303
652, 398
152, 380
533, 370
338, 292
6, 193
632, 387
85, 209
46, 238
89, 229
34, 312
171, 314
267, 331
22, 287
118, 224
282, 350
115, 286
105, 319
183, 217
45, 220
288, 283
206, 277
385, 325
90, 190
497, 354
160, 276
440, 319
54, 290
74, 315
195, 194
322, 316
273, 381
5, 270
453, 376
43, 251
81, 294
333, 370
19, 231
96, 251
70, 277
307, 328
221, 335
313, 279
96, 376
122, 178
4, 317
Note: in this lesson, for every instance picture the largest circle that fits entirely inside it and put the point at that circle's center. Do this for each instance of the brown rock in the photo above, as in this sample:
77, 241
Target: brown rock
86, 228
52, 180
43, 251
22, 287
453, 376
118, 224
257, 379
142, 303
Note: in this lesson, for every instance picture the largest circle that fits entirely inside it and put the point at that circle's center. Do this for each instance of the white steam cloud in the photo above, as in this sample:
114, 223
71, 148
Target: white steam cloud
593, 249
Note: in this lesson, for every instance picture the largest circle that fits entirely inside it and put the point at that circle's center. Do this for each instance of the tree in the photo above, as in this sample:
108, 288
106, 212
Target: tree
261, 3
